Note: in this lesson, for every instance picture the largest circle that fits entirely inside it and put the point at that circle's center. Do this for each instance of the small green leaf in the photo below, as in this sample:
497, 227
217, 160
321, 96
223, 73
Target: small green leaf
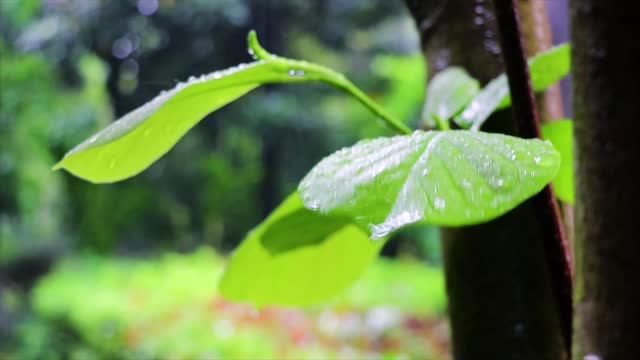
297, 257
449, 178
560, 133
545, 68
138, 139
448, 93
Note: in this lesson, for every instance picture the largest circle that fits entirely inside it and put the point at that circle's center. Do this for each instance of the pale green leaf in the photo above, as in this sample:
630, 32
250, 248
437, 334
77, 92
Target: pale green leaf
138, 139
297, 257
448, 178
560, 133
135, 141
448, 93
545, 68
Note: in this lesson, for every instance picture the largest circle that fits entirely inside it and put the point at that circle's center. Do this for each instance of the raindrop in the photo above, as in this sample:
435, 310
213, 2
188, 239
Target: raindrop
300, 73
439, 203
292, 72
313, 205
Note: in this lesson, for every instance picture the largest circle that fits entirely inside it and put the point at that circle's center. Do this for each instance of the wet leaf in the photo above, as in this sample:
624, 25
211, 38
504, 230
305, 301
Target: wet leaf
560, 133
135, 141
297, 257
448, 178
545, 68
138, 139
448, 93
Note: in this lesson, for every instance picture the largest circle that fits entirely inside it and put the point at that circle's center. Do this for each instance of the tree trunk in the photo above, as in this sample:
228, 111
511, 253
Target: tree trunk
501, 299
606, 92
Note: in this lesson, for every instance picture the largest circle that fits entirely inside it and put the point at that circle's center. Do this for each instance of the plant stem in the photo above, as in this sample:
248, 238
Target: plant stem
328, 76
528, 124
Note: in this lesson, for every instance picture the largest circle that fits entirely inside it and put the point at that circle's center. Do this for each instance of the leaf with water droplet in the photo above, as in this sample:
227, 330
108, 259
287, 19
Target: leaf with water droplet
127, 144
560, 133
545, 68
297, 257
449, 92
472, 178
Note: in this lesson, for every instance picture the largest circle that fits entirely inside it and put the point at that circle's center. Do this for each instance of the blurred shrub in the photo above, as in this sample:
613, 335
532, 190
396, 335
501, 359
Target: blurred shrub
169, 308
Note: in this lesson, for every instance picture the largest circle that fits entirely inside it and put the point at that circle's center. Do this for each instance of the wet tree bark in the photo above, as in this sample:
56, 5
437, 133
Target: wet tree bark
501, 299
606, 92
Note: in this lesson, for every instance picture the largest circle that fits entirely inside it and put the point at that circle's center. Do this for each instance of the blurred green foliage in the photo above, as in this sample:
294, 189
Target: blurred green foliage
169, 308
68, 68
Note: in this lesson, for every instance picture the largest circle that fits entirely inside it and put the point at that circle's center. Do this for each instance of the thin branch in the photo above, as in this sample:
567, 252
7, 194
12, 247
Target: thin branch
528, 124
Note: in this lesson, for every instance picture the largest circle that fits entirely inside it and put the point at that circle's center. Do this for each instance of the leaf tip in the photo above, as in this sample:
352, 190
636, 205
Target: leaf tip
57, 166
255, 49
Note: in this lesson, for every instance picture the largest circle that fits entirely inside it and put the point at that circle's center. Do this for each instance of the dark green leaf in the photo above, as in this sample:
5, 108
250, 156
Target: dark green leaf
560, 133
448, 178
297, 257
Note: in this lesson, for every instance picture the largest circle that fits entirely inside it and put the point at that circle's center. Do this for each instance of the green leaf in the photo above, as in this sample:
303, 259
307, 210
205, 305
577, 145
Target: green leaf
560, 133
297, 257
448, 93
138, 139
545, 68
449, 178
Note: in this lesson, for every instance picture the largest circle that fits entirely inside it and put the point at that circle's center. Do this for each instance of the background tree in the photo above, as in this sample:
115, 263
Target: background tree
605, 69
503, 299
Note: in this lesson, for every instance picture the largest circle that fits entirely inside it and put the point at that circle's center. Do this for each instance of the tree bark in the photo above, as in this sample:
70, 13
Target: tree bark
501, 299
606, 92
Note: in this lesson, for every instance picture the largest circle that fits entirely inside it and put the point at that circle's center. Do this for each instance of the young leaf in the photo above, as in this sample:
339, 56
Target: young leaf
449, 91
560, 133
138, 139
545, 69
297, 257
449, 178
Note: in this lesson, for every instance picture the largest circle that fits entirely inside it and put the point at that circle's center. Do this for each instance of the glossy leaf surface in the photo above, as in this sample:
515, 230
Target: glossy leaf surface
545, 68
135, 141
448, 93
560, 133
448, 178
297, 257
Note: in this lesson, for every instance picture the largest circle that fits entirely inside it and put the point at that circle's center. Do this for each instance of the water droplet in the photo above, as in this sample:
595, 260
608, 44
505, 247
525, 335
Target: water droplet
112, 164
292, 72
439, 203
466, 183
425, 172
300, 73
536, 159
513, 156
313, 205
192, 78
